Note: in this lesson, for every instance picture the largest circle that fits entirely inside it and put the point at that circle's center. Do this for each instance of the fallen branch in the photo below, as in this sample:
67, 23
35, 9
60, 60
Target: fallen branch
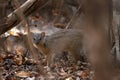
28, 7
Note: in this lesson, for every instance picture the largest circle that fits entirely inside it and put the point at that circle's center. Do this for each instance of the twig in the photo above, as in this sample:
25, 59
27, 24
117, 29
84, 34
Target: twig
25, 24
74, 16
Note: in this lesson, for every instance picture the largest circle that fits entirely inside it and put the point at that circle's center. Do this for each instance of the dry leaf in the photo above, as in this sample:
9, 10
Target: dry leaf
70, 78
23, 74
62, 73
60, 25
84, 74
18, 59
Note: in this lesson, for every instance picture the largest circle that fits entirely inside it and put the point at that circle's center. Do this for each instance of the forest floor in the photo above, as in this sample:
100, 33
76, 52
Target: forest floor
13, 67
16, 62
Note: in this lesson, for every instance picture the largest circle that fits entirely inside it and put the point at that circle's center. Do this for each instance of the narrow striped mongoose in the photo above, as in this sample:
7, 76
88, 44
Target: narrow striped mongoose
69, 40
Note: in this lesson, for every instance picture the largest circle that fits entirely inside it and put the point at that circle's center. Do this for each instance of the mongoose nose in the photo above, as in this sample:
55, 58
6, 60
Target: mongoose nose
36, 41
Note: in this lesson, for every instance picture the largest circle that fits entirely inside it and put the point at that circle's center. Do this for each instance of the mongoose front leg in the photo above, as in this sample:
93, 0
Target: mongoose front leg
50, 60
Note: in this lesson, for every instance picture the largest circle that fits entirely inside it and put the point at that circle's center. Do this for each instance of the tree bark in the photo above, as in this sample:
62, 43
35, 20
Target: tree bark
96, 23
3, 14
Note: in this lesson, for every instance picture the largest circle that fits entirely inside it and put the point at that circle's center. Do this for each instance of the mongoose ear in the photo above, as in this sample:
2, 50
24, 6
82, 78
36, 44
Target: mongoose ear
43, 34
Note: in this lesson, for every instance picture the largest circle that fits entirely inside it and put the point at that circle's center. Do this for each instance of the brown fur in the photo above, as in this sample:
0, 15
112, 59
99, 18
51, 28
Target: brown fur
63, 40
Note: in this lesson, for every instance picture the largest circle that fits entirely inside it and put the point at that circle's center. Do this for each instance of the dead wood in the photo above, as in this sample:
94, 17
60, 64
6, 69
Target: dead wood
28, 7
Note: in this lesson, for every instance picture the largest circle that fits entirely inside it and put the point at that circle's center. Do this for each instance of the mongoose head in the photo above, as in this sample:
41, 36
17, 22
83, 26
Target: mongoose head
39, 38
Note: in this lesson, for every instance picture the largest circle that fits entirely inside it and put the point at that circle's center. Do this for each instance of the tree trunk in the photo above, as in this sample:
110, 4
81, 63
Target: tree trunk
3, 14
97, 20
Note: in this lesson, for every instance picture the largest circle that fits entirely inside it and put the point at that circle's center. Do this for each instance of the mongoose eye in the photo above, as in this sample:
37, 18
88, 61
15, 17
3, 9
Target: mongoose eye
40, 38
33, 38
